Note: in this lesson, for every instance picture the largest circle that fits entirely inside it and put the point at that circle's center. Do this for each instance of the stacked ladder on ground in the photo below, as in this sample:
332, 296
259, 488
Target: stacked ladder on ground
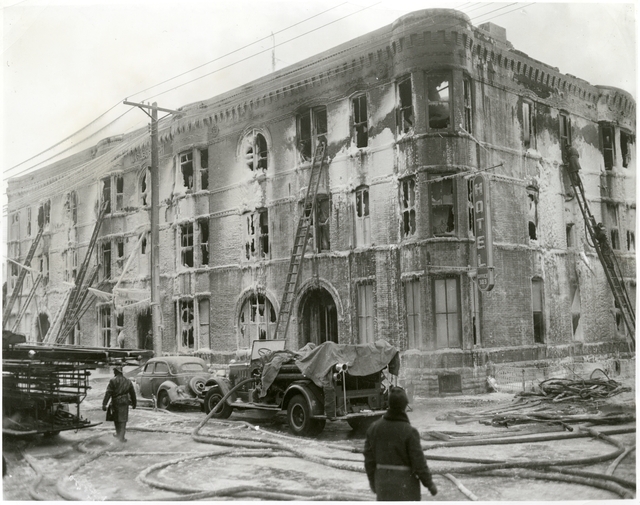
20, 280
78, 295
300, 243
607, 257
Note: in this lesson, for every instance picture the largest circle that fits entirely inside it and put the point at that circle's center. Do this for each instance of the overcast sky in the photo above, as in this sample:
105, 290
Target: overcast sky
65, 63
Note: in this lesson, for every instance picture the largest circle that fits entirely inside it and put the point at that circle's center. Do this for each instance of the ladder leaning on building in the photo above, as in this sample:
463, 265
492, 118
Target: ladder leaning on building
300, 243
601, 244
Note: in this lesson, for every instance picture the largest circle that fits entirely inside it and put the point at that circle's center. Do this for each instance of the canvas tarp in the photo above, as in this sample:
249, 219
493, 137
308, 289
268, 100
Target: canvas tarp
317, 362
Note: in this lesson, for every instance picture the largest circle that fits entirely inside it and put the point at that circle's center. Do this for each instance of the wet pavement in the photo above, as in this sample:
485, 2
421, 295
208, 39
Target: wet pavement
163, 460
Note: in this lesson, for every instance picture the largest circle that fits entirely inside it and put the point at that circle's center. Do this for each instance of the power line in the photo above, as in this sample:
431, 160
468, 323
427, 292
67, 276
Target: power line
119, 102
299, 83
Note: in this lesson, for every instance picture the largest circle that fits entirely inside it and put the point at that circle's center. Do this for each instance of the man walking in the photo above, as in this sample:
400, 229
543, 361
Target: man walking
120, 391
393, 457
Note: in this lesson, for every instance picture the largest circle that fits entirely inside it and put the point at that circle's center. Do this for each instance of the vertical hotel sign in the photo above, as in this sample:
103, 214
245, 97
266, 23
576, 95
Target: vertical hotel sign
484, 236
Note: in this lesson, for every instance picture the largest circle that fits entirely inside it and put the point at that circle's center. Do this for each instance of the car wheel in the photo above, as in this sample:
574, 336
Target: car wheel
211, 400
300, 420
163, 401
197, 385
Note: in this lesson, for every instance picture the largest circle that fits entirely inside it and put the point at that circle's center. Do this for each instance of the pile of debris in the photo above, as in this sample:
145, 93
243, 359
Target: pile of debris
538, 406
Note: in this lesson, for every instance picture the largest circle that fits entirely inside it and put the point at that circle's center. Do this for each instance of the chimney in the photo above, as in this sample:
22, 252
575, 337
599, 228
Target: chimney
495, 31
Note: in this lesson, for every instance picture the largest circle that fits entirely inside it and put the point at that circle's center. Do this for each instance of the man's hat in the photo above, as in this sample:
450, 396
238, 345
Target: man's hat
398, 399
117, 368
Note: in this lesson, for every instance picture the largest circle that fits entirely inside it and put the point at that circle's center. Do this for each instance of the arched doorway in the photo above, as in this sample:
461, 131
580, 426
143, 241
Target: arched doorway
257, 320
42, 326
318, 317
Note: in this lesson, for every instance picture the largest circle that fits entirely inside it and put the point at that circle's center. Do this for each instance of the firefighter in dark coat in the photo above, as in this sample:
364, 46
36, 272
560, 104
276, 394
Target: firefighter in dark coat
393, 457
120, 391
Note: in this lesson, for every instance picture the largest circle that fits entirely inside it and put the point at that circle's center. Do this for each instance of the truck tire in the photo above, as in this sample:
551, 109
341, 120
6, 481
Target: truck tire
211, 400
300, 420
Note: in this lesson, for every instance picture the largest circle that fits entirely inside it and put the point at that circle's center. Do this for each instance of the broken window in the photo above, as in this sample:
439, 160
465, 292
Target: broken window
528, 125
15, 226
612, 224
447, 312
442, 203
203, 227
257, 320
438, 109
414, 314
471, 208
408, 206
537, 290
569, 235
204, 169
105, 325
365, 314
72, 202
257, 234
106, 260
256, 151
145, 182
203, 320
631, 229
360, 123
119, 192
185, 324
186, 244
28, 221
363, 223
71, 265
532, 213
625, 148
312, 130
322, 228
564, 123
468, 117
106, 193
405, 105
186, 168
608, 151
44, 214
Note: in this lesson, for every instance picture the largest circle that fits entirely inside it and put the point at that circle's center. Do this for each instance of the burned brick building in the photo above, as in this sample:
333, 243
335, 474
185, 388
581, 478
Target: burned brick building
410, 114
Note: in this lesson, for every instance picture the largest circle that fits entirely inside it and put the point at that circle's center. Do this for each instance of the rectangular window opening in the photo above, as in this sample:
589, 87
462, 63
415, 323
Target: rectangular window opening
468, 117
408, 207
203, 227
439, 110
414, 314
185, 324
625, 149
363, 225
204, 169
405, 106
106, 260
443, 221
360, 124
186, 244
186, 168
608, 146
447, 313
119, 192
365, 314
537, 309
106, 193
451, 383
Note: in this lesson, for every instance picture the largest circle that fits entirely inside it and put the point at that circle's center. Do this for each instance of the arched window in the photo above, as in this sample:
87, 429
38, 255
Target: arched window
257, 320
256, 151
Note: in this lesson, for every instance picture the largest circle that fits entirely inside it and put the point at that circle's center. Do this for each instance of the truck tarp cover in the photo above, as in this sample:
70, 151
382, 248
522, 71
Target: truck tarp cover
317, 362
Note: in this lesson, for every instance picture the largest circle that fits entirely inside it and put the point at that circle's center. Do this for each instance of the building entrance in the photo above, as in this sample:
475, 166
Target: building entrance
318, 317
145, 330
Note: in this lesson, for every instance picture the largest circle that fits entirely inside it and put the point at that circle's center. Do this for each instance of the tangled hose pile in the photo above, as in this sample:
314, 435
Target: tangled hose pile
560, 390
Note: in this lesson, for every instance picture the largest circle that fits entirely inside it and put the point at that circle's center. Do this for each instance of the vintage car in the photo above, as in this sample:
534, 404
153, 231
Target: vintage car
174, 380
315, 384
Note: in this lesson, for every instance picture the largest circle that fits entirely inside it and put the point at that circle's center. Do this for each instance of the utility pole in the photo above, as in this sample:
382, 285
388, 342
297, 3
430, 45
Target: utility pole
156, 311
